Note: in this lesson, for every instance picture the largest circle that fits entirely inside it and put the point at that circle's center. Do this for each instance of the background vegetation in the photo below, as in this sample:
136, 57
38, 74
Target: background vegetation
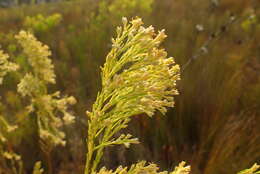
215, 123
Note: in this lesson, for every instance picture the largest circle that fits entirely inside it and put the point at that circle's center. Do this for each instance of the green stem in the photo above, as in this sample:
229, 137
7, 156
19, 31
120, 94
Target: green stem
92, 160
97, 159
90, 148
99, 153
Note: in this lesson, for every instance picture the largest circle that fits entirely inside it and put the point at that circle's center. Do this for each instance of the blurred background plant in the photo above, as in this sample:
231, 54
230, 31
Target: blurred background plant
40, 23
43, 113
214, 126
10, 162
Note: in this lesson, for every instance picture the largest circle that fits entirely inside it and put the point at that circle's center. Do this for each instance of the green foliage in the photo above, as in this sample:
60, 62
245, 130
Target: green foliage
119, 8
39, 23
124, 7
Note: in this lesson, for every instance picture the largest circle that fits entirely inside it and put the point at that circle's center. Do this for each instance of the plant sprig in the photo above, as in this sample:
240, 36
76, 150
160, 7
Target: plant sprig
137, 78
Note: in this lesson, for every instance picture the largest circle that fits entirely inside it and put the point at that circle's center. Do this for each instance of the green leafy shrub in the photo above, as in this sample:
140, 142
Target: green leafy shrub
39, 23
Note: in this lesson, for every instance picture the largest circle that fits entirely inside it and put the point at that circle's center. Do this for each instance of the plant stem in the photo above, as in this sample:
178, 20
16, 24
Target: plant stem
49, 163
97, 159
90, 148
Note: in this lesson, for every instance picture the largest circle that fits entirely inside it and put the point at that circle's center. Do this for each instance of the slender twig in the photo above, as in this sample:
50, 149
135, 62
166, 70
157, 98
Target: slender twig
214, 36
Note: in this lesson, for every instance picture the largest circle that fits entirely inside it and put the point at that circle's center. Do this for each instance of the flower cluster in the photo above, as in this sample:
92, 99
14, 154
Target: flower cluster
51, 109
29, 86
142, 168
38, 56
48, 107
5, 131
5, 128
5, 65
181, 169
137, 78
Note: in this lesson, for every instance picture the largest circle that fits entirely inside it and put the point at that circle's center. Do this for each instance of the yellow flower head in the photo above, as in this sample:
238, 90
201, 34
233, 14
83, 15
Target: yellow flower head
38, 56
5, 65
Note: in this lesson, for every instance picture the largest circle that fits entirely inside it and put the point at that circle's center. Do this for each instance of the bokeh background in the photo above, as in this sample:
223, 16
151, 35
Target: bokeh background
215, 124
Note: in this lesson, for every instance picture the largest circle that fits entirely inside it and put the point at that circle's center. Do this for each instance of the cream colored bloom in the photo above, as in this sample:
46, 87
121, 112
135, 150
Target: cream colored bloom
38, 56
139, 71
29, 85
143, 168
51, 109
5, 65
137, 78
181, 169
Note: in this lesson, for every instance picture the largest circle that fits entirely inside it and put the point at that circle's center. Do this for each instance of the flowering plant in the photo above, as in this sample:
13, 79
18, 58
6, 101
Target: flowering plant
137, 78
